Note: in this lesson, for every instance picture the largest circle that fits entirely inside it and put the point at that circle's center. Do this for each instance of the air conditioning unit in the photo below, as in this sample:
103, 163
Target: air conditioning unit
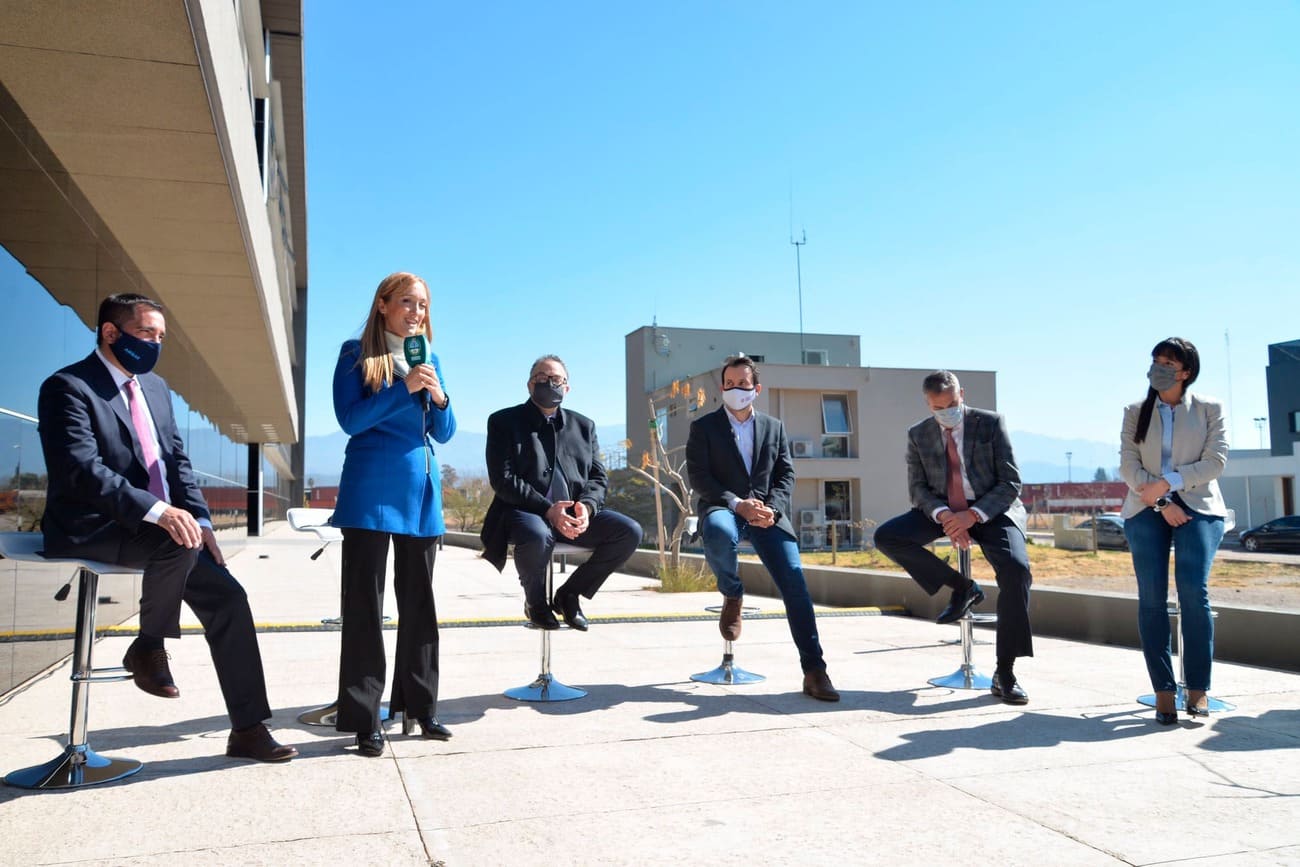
811, 518
818, 357
811, 538
801, 448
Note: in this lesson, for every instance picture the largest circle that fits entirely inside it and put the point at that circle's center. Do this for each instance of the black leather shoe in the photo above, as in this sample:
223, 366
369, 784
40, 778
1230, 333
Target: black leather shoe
370, 744
256, 743
961, 602
541, 617
430, 728
567, 607
150, 671
1005, 687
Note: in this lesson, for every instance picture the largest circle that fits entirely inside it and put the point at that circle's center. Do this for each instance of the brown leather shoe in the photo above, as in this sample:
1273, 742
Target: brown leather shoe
150, 671
256, 743
729, 619
818, 685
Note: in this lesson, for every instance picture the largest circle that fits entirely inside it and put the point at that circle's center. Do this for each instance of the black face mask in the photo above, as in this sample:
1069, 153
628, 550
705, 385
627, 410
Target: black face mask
136, 355
547, 396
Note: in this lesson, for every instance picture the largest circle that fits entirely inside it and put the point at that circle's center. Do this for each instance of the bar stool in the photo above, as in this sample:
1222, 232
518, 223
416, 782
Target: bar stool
727, 671
79, 765
546, 687
317, 522
968, 676
1180, 696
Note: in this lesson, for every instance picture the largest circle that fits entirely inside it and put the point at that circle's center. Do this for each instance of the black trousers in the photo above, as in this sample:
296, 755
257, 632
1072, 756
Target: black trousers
173, 575
361, 658
612, 538
903, 540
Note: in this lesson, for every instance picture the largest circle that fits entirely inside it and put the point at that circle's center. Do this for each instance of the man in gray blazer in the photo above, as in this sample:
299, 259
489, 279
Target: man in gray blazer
963, 483
738, 459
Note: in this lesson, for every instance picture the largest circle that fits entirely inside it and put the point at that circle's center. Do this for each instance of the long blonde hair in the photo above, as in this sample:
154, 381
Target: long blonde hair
375, 362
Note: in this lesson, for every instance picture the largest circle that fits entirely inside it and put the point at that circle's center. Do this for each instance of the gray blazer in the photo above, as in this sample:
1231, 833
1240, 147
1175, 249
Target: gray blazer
1200, 451
990, 466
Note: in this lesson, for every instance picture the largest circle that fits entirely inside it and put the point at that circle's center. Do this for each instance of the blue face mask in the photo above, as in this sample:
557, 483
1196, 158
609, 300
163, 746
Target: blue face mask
136, 355
950, 417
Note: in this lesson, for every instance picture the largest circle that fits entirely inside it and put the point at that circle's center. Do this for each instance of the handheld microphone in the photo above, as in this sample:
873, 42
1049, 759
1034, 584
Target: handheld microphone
416, 348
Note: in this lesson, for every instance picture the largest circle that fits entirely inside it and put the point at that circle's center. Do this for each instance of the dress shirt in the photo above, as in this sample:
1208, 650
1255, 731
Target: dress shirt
120, 379
1167, 471
743, 432
958, 438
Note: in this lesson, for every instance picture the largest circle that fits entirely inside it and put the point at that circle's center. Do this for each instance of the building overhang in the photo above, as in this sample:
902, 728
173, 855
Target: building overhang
128, 163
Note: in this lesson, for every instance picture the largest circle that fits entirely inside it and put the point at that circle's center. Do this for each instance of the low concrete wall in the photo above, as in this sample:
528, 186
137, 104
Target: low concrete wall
1254, 636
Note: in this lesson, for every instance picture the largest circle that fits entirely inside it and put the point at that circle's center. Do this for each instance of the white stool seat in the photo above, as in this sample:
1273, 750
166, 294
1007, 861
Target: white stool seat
315, 521
78, 765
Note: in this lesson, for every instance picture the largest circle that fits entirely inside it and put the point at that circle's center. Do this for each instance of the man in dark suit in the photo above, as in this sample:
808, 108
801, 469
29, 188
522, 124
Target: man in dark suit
964, 484
738, 460
121, 490
544, 466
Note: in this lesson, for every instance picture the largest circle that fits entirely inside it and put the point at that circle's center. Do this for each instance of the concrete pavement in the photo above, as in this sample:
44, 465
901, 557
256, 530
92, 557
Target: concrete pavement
651, 767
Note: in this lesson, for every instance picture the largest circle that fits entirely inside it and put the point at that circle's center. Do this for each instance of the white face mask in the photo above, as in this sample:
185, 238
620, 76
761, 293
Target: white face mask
950, 417
737, 399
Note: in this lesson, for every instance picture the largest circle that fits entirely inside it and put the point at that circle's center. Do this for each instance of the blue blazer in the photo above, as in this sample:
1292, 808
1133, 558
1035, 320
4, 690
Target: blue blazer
385, 485
98, 485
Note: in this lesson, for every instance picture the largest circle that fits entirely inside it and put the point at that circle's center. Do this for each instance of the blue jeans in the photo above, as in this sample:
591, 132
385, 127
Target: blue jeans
722, 531
1195, 544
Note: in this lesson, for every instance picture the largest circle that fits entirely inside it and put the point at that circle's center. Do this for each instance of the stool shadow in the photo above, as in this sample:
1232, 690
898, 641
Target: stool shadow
1029, 729
1236, 733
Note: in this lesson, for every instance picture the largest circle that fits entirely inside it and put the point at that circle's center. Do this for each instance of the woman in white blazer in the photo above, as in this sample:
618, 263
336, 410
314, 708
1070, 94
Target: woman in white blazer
1172, 450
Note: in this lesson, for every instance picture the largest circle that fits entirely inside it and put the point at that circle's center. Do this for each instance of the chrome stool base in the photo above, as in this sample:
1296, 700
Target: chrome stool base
328, 715
728, 672
545, 688
1180, 701
968, 676
1180, 696
77, 767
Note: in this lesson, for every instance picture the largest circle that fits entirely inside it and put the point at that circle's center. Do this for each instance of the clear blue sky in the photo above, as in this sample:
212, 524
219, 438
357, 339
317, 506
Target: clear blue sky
1041, 189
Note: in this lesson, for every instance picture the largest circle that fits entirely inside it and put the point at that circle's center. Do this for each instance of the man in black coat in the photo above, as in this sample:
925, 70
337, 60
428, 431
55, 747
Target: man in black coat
544, 466
121, 490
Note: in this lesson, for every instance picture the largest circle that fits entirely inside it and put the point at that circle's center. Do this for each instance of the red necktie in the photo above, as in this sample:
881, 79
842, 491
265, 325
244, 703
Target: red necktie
956, 494
141, 425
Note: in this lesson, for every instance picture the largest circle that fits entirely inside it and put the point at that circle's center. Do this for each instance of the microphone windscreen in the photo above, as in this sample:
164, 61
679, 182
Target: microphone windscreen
416, 348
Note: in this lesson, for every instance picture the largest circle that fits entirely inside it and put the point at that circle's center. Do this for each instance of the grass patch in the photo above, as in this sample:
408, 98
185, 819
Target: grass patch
686, 578
1058, 563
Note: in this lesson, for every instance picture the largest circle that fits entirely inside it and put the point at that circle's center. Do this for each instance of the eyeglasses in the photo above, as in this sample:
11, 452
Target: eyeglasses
555, 381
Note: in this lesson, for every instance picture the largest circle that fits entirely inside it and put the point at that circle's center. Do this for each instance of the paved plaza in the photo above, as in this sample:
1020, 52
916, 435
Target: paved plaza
651, 767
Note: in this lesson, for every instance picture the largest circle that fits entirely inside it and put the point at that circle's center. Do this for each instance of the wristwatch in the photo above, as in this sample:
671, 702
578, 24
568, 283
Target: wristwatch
1161, 502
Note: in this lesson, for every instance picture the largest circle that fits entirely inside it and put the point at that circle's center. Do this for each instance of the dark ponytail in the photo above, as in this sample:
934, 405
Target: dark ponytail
1182, 351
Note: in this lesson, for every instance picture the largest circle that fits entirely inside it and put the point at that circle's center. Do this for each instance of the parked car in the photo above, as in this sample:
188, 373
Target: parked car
1279, 533
1110, 531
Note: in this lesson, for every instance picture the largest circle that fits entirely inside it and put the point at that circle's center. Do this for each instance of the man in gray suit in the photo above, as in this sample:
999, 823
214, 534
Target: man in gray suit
963, 483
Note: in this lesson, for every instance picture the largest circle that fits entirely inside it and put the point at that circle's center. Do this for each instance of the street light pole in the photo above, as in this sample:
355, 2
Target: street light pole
1068, 471
1259, 426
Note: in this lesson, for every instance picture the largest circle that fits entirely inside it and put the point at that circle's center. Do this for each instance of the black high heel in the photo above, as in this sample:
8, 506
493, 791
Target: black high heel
370, 743
1200, 707
1167, 717
430, 728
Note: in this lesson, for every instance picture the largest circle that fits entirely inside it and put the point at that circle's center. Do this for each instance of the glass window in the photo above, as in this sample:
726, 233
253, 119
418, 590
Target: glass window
838, 505
835, 414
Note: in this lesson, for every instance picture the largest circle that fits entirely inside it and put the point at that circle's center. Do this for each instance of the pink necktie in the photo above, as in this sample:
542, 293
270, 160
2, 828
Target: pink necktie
141, 425
956, 494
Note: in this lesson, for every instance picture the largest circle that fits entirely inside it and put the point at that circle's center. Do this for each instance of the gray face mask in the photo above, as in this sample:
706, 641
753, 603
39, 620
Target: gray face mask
1162, 378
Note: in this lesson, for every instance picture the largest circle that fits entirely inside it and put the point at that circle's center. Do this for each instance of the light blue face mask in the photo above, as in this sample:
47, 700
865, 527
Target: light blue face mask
950, 417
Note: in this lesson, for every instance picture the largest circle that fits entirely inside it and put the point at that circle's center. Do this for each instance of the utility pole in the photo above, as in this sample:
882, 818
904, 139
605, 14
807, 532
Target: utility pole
1068, 472
798, 270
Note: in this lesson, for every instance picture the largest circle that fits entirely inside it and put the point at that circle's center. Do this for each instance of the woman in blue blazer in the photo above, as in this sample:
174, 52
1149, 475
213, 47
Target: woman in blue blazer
391, 487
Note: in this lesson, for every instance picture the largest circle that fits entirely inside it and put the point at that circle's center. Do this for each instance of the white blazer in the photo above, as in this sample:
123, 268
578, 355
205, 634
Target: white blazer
1200, 451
